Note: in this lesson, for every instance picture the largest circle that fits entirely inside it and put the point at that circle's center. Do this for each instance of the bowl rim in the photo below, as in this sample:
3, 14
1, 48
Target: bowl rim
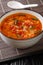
20, 39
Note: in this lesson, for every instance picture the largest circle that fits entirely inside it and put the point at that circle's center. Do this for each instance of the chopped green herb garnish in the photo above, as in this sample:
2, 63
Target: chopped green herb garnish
34, 19
32, 27
37, 32
15, 21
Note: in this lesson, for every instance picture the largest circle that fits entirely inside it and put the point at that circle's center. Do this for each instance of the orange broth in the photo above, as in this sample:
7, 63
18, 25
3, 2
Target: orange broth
21, 26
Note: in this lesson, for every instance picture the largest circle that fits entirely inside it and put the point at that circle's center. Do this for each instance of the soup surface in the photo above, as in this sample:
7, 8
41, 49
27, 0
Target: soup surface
21, 26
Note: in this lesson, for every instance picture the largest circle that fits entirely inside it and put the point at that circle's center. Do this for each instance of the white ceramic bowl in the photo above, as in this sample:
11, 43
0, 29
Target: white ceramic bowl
22, 43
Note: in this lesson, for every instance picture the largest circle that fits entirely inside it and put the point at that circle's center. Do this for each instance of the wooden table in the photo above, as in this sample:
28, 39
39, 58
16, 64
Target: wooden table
7, 52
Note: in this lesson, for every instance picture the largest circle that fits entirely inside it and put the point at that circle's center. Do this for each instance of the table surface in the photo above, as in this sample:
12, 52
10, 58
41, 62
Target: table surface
7, 52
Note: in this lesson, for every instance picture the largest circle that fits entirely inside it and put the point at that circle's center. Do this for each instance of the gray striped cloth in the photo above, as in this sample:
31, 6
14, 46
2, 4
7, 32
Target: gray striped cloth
29, 60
